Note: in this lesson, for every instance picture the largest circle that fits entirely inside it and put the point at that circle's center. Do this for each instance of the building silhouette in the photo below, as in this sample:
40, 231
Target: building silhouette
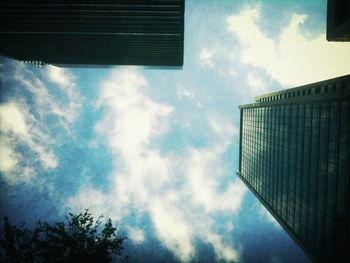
338, 20
295, 157
89, 32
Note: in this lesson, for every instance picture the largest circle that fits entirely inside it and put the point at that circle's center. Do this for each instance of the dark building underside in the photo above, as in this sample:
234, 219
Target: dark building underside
338, 20
86, 32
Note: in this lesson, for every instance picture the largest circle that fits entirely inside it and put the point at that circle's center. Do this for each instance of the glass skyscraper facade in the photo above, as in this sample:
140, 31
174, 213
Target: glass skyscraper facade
295, 157
90, 32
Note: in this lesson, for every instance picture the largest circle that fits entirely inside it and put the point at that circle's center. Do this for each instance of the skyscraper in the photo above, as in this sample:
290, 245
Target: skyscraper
295, 158
338, 20
87, 32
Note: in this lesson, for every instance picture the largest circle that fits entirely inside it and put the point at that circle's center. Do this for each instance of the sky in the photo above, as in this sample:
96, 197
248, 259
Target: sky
156, 150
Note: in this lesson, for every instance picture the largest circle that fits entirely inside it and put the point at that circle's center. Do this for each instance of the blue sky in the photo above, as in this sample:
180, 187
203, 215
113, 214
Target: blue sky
155, 149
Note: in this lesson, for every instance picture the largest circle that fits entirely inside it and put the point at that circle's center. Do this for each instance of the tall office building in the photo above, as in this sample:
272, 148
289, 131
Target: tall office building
338, 20
295, 158
90, 32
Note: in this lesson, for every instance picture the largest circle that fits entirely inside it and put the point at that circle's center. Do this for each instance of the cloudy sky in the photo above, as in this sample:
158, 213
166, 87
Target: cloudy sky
157, 150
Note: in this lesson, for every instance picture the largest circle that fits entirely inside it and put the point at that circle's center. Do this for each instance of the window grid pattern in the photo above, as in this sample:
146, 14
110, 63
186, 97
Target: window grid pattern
296, 158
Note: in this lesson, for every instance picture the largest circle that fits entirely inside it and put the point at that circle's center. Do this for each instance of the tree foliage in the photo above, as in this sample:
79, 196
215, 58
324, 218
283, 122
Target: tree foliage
80, 238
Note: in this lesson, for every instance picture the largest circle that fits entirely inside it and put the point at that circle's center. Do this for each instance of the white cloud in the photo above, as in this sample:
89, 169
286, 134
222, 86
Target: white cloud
256, 84
13, 120
204, 168
172, 228
22, 125
8, 157
291, 59
206, 57
18, 127
46, 156
232, 198
201, 187
65, 81
59, 76
28, 173
65, 106
136, 235
222, 127
89, 198
223, 251
259, 49
180, 192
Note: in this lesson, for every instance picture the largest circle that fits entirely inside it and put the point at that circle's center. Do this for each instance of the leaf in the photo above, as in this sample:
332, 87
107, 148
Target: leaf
77, 238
